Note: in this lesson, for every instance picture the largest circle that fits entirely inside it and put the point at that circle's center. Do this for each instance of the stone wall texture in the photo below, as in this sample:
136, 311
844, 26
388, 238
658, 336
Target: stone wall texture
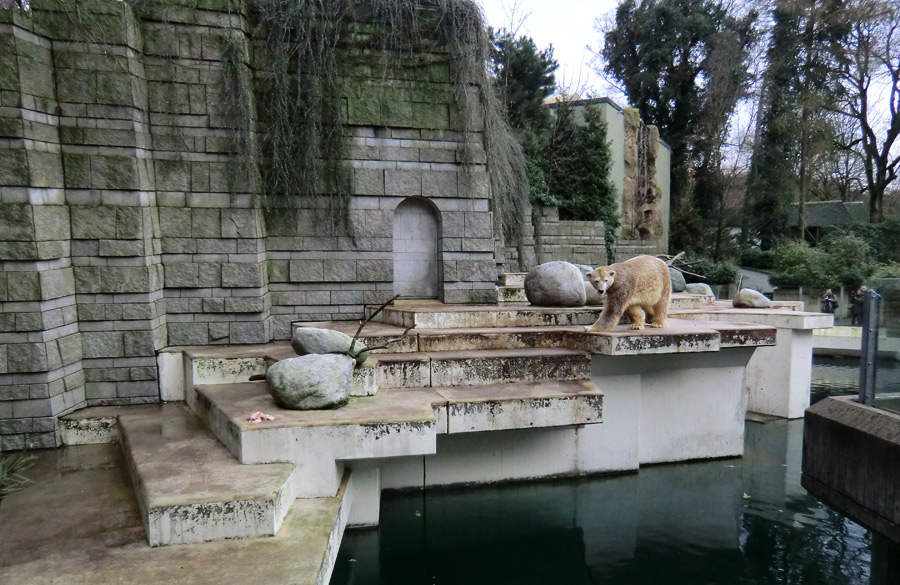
121, 231
579, 242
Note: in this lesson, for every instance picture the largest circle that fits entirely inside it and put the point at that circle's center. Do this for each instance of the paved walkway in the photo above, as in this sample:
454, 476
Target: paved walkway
78, 523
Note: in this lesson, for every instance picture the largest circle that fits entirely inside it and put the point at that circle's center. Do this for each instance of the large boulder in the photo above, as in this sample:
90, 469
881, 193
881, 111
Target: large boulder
747, 298
555, 284
677, 278
311, 382
699, 288
312, 340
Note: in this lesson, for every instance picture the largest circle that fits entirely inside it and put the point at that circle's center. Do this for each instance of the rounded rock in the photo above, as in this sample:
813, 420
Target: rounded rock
555, 284
311, 382
747, 298
678, 283
313, 340
699, 288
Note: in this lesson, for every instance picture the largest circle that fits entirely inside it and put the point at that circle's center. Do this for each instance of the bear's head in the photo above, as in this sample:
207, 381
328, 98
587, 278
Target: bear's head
602, 278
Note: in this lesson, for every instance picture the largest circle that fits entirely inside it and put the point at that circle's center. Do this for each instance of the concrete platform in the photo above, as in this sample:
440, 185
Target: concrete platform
77, 523
188, 486
778, 377
394, 423
438, 316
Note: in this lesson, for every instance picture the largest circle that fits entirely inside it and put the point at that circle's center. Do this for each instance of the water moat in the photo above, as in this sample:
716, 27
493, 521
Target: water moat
732, 521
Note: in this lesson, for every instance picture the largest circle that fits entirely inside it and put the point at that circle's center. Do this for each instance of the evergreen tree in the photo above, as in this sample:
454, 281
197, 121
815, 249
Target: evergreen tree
579, 161
525, 76
794, 128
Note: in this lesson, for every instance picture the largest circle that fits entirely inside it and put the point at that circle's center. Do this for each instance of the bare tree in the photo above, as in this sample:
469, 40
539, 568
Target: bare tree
869, 59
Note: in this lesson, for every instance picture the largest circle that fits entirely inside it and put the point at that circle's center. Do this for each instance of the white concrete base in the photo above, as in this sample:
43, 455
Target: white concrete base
170, 365
655, 409
778, 378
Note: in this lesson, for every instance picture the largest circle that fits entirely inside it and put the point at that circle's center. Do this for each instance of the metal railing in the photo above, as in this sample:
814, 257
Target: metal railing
869, 347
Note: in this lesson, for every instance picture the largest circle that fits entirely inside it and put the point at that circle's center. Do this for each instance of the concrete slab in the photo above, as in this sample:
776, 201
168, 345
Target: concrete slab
513, 279
784, 317
191, 489
521, 406
78, 523
678, 337
432, 316
511, 294
478, 367
317, 442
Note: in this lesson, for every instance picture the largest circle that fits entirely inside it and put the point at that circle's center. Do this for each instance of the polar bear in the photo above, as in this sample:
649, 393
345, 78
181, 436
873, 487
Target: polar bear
639, 288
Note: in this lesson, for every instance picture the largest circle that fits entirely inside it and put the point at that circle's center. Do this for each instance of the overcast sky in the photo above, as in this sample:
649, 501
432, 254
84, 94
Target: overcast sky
566, 24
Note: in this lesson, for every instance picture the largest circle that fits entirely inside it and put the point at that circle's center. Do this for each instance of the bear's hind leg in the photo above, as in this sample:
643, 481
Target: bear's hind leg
657, 317
636, 314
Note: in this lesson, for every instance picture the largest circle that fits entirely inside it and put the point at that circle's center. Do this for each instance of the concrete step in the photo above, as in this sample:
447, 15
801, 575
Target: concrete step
395, 422
191, 489
480, 367
432, 316
97, 425
513, 279
502, 407
463, 316
511, 294
389, 424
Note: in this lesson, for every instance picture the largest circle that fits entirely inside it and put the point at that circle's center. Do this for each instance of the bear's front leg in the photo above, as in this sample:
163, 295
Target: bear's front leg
606, 322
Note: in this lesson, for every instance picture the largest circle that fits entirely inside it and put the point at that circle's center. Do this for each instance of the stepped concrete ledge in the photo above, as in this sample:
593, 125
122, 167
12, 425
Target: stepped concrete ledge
511, 294
97, 424
521, 406
437, 316
189, 487
77, 522
480, 367
781, 317
389, 424
681, 336
395, 422
513, 279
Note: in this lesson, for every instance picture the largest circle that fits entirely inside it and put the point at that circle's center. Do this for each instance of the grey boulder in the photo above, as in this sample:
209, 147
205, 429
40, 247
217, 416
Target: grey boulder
311, 382
747, 298
677, 279
555, 284
312, 340
699, 288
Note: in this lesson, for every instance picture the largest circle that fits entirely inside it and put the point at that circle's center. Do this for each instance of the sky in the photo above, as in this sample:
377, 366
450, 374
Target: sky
566, 24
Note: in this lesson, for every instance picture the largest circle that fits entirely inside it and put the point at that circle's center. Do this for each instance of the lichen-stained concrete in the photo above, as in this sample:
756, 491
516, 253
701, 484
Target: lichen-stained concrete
97, 424
77, 523
191, 489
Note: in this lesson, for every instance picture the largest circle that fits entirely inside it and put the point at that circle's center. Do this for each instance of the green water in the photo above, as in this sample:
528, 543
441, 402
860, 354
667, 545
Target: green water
737, 521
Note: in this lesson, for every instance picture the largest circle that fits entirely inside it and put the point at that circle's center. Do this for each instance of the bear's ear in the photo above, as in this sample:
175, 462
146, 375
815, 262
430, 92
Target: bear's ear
612, 273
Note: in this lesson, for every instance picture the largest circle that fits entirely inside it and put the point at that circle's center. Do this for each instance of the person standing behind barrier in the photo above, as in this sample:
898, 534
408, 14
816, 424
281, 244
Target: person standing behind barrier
856, 306
829, 302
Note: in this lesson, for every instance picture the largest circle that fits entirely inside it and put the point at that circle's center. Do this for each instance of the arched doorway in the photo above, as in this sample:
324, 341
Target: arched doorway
416, 236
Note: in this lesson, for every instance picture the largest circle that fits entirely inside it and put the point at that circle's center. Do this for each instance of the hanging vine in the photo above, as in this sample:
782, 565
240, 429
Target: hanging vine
301, 143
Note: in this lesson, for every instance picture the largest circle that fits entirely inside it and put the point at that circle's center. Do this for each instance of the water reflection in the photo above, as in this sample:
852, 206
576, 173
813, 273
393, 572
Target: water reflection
737, 521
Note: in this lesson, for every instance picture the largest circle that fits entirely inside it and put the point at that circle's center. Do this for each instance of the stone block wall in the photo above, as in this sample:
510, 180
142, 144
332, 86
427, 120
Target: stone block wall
579, 242
123, 229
